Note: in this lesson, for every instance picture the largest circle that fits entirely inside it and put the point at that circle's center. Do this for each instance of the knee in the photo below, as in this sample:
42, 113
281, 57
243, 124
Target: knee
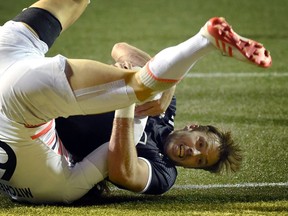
118, 49
123, 51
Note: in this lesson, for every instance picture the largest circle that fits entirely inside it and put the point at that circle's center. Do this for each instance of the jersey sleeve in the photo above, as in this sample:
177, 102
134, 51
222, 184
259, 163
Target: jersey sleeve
162, 177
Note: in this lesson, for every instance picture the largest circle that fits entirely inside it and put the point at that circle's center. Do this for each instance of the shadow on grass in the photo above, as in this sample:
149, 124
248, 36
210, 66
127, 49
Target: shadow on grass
192, 197
264, 199
225, 199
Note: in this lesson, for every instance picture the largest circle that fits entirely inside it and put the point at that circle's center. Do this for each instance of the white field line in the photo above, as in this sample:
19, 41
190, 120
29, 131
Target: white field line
236, 74
212, 186
242, 185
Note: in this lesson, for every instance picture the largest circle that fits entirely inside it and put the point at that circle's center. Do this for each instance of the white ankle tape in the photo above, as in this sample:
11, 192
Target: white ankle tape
105, 97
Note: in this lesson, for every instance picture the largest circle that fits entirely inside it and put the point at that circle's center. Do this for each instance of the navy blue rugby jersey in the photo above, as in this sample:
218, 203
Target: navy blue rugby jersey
150, 147
83, 134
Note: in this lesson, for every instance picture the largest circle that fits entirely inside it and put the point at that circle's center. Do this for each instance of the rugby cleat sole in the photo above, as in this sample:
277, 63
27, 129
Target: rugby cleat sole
222, 36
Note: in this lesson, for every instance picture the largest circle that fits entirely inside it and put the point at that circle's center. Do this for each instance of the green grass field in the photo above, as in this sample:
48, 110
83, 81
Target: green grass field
250, 101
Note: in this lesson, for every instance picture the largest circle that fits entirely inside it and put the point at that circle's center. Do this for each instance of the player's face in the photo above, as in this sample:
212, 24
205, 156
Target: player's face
194, 149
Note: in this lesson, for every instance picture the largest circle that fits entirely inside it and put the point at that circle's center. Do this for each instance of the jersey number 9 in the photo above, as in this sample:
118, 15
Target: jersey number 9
10, 164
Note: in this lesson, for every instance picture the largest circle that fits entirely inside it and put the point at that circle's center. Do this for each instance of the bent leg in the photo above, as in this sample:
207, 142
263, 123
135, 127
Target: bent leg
100, 88
122, 52
48, 18
66, 11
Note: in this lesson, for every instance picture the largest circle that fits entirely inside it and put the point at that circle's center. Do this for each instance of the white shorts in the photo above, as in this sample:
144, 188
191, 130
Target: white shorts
33, 88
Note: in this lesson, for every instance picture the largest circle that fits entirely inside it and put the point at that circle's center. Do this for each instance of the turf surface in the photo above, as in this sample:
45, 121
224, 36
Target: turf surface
249, 101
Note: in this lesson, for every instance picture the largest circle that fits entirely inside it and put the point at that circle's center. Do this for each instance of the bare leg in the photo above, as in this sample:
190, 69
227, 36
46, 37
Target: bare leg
66, 11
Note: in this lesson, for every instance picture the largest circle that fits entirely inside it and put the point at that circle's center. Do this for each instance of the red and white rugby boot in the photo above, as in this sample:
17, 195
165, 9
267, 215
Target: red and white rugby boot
221, 35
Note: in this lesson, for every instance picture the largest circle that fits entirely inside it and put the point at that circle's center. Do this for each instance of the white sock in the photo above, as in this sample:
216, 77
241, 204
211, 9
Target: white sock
170, 65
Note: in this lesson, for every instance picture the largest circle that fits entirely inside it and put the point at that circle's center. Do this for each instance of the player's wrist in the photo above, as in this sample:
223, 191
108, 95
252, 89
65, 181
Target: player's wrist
127, 112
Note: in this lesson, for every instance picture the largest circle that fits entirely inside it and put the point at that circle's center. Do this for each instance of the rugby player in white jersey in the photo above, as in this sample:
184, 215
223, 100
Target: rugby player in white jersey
34, 90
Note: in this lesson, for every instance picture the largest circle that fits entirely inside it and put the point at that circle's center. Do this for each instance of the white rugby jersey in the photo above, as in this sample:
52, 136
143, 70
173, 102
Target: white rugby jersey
33, 162
34, 165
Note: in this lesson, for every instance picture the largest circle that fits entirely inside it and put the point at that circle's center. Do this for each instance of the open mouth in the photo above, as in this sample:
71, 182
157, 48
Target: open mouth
181, 151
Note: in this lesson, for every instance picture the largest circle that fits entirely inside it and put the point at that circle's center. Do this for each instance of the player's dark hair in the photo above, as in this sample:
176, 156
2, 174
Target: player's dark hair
230, 158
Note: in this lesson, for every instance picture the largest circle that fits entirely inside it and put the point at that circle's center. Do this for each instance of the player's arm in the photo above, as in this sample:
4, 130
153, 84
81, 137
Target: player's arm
124, 167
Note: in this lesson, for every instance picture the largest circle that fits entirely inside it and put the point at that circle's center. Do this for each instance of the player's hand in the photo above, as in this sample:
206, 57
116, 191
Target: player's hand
155, 107
124, 65
150, 108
